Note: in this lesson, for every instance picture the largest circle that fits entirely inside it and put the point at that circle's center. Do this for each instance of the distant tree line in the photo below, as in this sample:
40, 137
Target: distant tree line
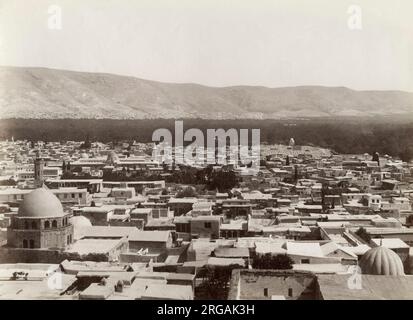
221, 180
386, 135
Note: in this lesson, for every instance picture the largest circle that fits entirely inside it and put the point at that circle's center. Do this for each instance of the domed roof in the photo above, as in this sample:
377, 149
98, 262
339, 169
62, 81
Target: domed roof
80, 222
40, 203
112, 157
381, 261
84, 155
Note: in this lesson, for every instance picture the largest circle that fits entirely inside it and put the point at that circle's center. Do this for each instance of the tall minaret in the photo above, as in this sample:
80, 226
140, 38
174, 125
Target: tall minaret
38, 170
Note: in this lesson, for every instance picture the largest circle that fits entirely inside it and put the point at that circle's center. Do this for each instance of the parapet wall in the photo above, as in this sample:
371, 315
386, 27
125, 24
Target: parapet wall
263, 284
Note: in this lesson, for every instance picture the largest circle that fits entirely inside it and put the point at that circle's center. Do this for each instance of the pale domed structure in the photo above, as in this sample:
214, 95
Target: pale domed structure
40, 203
40, 223
112, 158
381, 261
80, 222
84, 155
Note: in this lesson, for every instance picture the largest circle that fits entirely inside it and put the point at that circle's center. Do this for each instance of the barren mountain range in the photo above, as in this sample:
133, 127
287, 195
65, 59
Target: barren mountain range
40, 93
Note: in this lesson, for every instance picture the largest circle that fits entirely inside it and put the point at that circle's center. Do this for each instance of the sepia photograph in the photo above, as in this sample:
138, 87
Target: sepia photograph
229, 152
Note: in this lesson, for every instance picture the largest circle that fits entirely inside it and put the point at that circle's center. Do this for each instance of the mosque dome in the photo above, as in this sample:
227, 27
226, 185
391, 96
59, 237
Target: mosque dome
84, 155
381, 261
80, 222
40, 203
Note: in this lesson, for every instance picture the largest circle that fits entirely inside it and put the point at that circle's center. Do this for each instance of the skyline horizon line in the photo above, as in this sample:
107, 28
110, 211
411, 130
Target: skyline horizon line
204, 84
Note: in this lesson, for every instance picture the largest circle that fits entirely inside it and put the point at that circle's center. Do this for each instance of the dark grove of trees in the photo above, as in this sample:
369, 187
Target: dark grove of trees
9, 182
220, 180
215, 284
386, 135
363, 234
271, 262
188, 192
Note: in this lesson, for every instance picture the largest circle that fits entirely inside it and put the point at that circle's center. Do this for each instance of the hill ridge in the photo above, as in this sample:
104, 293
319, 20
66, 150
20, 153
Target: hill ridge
44, 93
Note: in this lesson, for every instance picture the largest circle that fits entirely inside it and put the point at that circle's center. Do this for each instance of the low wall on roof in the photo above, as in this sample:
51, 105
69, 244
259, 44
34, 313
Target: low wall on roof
263, 284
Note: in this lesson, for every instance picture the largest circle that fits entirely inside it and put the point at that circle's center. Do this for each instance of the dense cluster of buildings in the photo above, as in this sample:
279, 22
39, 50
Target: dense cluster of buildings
68, 232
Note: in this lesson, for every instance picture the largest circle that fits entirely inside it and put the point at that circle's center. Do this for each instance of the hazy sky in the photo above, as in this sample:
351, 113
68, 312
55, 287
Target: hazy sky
218, 42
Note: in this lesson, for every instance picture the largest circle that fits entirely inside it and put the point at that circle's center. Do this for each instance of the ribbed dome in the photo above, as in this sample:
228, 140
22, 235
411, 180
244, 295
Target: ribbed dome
80, 222
381, 261
40, 203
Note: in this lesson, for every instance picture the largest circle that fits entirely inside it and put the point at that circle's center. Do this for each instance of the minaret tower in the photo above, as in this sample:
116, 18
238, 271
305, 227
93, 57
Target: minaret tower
38, 170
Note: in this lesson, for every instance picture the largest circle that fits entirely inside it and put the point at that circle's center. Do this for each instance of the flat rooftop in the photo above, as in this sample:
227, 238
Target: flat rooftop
88, 246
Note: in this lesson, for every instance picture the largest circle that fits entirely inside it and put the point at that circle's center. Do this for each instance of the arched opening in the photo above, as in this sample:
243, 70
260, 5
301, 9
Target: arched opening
46, 224
54, 224
34, 225
31, 244
24, 243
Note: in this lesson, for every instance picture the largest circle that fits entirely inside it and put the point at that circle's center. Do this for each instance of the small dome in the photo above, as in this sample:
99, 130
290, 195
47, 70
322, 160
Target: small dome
381, 261
40, 203
112, 157
80, 222
84, 155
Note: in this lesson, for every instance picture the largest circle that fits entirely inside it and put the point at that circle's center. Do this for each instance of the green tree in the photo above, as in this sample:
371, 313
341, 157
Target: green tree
86, 144
295, 173
363, 234
269, 261
188, 192
215, 284
222, 180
